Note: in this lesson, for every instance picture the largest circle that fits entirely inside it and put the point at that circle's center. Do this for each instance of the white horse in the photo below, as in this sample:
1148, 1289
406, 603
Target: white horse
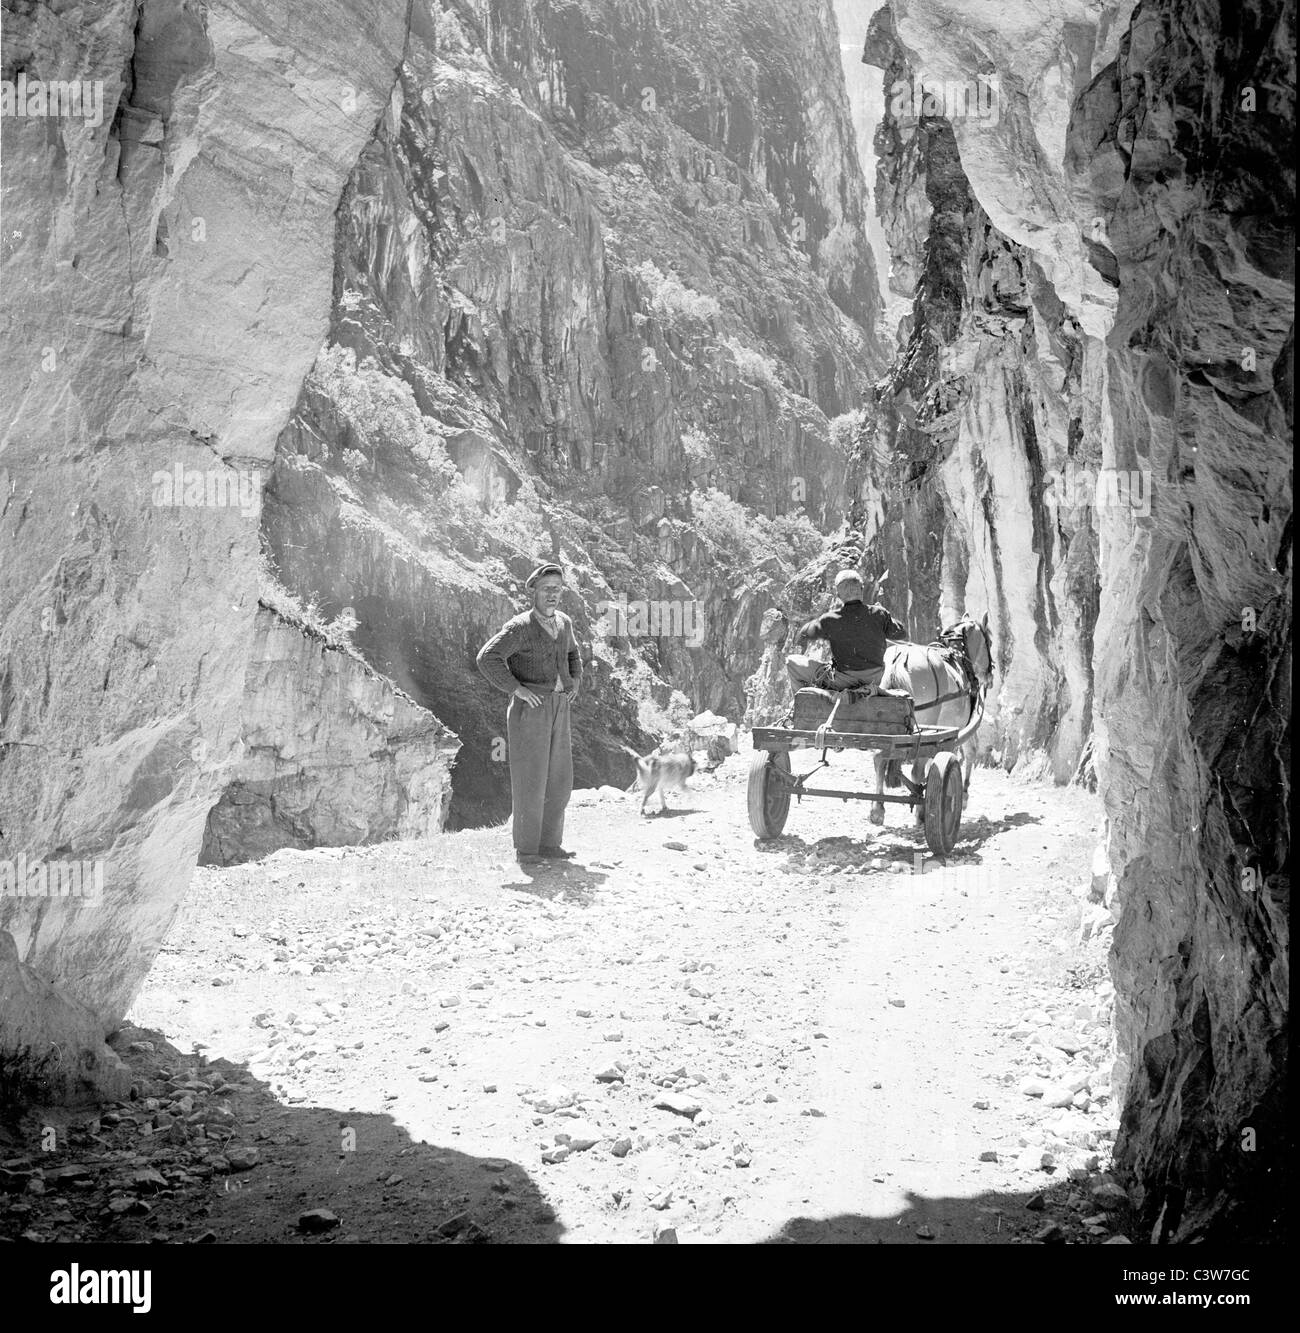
941, 694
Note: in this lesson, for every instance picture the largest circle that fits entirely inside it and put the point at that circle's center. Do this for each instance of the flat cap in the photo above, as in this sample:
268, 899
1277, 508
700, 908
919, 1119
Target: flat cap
541, 570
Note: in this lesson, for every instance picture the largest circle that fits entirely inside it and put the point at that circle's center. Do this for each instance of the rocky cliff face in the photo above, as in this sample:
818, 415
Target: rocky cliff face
979, 433
601, 289
370, 764
167, 285
1104, 304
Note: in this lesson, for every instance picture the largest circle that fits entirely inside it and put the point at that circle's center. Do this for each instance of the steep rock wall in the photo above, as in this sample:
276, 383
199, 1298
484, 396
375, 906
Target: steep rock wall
166, 280
1140, 167
979, 432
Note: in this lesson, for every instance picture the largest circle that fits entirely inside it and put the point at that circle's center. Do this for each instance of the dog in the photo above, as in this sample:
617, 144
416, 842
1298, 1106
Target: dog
661, 772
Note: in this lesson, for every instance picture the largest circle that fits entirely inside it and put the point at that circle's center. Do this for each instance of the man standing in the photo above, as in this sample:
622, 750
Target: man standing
535, 660
857, 635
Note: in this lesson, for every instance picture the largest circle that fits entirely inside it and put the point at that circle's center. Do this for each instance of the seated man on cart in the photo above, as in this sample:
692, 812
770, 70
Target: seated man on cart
857, 634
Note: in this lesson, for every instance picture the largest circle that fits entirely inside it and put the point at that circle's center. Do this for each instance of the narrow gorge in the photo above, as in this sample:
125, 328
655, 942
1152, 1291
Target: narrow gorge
343, 317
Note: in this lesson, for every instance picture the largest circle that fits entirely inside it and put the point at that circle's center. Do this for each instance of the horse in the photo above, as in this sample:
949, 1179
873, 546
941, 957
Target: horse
944, 695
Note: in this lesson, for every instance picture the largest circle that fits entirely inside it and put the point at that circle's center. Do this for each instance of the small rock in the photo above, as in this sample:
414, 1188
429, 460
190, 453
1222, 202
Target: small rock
1069, 1042
981, 1105
148, 1179
899, 1004
453, 1226
317, 1220
1051, 1234
1107, 1191
553, 1156
447, 1000
67, 1175
242, 1159
609, 1074
580, 1135
1118, 1240
621, 1147
675, 846
666, 1236
678, 1104
769, 1096
489, 1087
1033, 1087
1036, 1203
988, 1155
613, 1035
924, 1233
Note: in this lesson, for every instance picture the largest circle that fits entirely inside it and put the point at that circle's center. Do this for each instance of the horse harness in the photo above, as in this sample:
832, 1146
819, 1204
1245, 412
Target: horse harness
951, 646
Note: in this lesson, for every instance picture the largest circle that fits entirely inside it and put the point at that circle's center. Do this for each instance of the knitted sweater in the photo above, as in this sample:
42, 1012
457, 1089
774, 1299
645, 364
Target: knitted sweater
856, 633
522, 653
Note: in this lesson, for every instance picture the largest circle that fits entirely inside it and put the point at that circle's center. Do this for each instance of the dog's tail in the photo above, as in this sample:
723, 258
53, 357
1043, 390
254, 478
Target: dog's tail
627, 749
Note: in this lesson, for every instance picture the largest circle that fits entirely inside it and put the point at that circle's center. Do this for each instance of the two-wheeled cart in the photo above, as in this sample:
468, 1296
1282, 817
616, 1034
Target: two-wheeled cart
940, 795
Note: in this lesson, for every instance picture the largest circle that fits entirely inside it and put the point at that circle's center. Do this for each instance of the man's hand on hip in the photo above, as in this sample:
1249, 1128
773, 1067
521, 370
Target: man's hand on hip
524, 693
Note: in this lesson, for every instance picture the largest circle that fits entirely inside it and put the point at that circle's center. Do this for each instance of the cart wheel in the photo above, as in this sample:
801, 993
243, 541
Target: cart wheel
769, 795
943, 802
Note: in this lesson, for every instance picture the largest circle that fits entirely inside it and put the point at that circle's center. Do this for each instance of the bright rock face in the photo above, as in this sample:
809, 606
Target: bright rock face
167, 285
334, 755
981, 430
1118, 235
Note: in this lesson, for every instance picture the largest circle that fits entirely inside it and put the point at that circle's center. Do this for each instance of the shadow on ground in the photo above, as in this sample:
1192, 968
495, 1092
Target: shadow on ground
240, 1166
890, 850
1053, 1215
567, 881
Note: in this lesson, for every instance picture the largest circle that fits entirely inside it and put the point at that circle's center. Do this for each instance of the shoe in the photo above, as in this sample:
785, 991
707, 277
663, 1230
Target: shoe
556, 854
529, 858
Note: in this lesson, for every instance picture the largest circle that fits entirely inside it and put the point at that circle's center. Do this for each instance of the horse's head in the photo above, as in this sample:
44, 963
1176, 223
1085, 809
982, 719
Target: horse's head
978, 645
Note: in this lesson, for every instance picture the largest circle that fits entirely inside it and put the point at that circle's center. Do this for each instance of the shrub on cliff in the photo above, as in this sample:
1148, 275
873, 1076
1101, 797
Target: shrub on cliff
521, 523
670, 298
381, 414
746, 538
754, 366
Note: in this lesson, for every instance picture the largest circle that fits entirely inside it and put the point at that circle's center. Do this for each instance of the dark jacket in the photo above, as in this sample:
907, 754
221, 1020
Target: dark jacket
856, 633
523, 653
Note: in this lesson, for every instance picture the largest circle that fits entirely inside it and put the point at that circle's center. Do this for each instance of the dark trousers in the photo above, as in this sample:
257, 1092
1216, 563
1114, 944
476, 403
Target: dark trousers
541, 769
